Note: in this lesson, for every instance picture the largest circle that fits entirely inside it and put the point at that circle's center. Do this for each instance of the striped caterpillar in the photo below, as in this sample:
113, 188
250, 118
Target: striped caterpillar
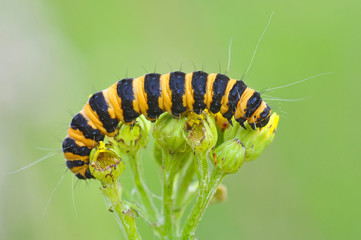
151, 95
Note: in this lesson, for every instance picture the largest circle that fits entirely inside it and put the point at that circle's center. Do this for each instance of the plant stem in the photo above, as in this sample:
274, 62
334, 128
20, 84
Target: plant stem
125, 214
185, 181
142, 188
170, 167
203, 168
184, 193
205, 195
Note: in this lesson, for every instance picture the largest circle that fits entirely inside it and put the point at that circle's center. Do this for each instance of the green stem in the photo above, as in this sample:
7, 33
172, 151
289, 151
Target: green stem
203, 168
142, 188
184, 194
125, 214
205, 195
185, 181
170, 167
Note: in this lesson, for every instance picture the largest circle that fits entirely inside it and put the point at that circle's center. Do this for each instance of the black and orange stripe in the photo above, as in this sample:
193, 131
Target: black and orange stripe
151, 95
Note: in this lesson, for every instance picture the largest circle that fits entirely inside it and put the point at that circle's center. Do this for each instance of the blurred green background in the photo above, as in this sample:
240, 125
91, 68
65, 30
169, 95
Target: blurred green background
53, 54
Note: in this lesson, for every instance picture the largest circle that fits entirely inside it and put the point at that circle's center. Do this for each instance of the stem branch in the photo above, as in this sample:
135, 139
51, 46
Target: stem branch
142, 188
170, 168
205, 195
185, 180
125, 214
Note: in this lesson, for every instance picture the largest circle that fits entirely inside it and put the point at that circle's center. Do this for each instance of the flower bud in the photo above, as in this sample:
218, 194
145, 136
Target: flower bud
168, 132
201, 132
229, 156
133, 137
105, 163
255, 141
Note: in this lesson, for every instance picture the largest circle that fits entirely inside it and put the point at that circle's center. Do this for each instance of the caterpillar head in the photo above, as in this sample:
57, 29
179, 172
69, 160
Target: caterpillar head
253, 110
262, 115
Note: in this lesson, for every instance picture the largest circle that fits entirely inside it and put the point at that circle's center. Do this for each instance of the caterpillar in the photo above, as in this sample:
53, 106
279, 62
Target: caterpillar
151, 95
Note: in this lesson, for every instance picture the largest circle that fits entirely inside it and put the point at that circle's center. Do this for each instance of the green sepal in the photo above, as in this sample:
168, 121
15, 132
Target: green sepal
229, 156
133, 137
168, 132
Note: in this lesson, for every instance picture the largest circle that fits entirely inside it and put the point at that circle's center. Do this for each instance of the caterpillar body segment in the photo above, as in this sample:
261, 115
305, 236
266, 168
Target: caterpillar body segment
151, 95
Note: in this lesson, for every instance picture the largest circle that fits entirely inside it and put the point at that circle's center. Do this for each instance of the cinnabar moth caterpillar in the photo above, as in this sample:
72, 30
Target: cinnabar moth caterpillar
151, 95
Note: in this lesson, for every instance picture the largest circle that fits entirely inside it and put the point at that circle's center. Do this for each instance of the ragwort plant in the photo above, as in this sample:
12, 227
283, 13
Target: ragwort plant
194, 153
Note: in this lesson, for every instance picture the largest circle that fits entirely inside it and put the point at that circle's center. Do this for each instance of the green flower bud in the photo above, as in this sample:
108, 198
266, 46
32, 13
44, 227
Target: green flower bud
133, 137
255, 141
201, 132
168, 132
106, 164
229, 156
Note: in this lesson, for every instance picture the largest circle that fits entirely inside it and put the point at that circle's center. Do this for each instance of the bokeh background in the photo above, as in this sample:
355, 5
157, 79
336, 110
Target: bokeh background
53, 54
